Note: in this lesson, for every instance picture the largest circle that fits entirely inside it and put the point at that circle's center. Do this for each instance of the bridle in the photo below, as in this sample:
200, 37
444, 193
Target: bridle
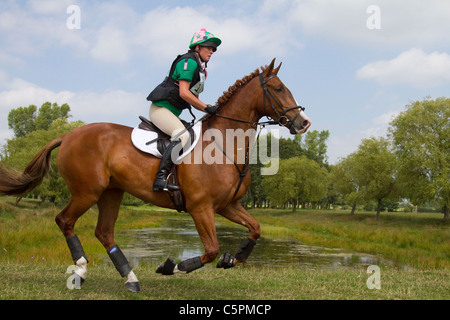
282, 119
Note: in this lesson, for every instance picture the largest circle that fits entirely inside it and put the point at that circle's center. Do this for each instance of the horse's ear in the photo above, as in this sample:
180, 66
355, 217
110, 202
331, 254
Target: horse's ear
275, 71
268, 70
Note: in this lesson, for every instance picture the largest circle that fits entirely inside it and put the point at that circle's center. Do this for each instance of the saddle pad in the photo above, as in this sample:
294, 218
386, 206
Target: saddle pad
140, 138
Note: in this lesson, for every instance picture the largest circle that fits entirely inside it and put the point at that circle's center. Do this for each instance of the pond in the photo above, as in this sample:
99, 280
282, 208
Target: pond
178, 239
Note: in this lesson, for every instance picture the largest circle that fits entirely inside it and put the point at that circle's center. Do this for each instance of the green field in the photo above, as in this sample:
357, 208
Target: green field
34, 258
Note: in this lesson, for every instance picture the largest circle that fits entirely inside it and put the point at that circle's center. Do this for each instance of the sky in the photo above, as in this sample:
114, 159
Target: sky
354, 64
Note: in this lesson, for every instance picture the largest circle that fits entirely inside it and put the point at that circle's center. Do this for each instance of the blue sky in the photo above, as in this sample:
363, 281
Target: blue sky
354, 64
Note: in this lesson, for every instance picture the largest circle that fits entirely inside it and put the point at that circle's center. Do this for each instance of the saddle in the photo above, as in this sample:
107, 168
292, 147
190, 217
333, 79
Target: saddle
162, 140
150, 139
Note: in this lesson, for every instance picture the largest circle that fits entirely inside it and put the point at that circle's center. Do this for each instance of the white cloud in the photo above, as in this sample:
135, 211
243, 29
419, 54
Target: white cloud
114, 32
23, 93
402, 22
49, 6
379, 126
413, 67
20, 93
110, 105
163, 31
112, 46
29, 30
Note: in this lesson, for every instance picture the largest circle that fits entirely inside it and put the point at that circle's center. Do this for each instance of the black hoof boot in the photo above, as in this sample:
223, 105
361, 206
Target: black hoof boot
226, 261
166, 268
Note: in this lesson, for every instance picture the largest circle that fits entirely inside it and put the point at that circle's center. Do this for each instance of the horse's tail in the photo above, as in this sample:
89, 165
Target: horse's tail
14, 183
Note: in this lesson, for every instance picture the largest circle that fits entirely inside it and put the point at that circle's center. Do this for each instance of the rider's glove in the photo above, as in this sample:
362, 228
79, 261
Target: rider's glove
211, 109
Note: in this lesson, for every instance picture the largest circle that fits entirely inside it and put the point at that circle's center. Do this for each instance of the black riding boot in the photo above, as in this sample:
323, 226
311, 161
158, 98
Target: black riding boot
166, 165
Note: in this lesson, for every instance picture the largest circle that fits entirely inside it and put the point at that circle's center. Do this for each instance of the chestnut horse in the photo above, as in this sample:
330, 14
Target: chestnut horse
99, 163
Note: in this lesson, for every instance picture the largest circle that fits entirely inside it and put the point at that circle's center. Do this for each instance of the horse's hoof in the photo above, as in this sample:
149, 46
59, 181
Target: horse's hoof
166, 268
226, 260
133, 286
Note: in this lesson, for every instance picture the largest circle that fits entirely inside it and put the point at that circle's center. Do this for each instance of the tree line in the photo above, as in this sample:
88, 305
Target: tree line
411, 163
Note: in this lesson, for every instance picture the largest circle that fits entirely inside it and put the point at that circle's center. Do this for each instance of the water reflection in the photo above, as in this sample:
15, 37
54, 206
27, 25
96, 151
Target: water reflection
179, 240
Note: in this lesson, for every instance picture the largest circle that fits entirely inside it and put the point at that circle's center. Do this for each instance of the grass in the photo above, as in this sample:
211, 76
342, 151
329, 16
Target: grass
34, 258
40, 281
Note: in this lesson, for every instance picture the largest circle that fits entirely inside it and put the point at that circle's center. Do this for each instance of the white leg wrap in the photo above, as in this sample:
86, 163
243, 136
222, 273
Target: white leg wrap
176, 270
131, 277
81, 267
132, 282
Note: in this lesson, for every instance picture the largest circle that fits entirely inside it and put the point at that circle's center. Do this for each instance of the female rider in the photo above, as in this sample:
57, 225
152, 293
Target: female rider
179, 91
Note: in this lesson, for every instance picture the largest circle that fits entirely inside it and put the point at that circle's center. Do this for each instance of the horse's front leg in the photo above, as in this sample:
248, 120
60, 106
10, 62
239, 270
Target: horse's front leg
206, 228
236, 213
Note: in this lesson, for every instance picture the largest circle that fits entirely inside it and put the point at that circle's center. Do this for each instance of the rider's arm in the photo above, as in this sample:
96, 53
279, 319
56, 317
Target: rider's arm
189, 97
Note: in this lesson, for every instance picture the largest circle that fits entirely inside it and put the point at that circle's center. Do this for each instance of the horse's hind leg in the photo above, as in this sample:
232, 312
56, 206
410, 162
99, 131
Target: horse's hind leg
236, 213
108, 206
66, 220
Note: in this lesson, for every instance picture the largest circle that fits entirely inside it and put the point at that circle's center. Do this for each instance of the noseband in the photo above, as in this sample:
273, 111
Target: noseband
283, 120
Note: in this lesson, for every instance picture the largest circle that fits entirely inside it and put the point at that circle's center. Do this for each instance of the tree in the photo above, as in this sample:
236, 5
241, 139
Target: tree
25, 120
298, 179
289, 148
314, 145
21, 120
375, 170
421, 138
345, 181
367, 174
19, 151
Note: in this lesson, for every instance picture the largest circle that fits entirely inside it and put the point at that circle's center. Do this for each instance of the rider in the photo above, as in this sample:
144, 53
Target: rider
178, 91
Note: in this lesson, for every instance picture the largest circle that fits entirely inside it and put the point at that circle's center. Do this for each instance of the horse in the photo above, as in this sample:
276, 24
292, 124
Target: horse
99, 163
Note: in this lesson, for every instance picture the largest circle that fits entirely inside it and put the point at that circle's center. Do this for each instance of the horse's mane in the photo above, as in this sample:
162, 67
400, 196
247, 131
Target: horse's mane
237, 85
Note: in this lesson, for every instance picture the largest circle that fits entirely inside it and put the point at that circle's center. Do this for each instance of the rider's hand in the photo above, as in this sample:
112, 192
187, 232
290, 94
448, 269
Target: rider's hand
212, 110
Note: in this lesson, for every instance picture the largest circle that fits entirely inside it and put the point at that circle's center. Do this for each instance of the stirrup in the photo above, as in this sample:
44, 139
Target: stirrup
164, 186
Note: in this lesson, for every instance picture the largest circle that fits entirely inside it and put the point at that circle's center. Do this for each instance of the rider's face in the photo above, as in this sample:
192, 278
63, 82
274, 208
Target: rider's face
206, 53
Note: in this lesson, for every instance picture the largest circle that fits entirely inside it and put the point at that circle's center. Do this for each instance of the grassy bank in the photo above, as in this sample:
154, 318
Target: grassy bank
418, 240
34, 258
29, 234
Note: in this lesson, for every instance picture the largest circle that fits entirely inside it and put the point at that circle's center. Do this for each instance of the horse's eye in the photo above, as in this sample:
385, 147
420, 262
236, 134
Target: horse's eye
279, 89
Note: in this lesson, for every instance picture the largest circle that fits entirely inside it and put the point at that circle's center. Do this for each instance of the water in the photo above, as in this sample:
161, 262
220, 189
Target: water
179, 240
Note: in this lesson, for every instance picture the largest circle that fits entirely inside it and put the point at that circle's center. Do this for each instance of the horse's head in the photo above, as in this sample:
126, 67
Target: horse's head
279, 104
